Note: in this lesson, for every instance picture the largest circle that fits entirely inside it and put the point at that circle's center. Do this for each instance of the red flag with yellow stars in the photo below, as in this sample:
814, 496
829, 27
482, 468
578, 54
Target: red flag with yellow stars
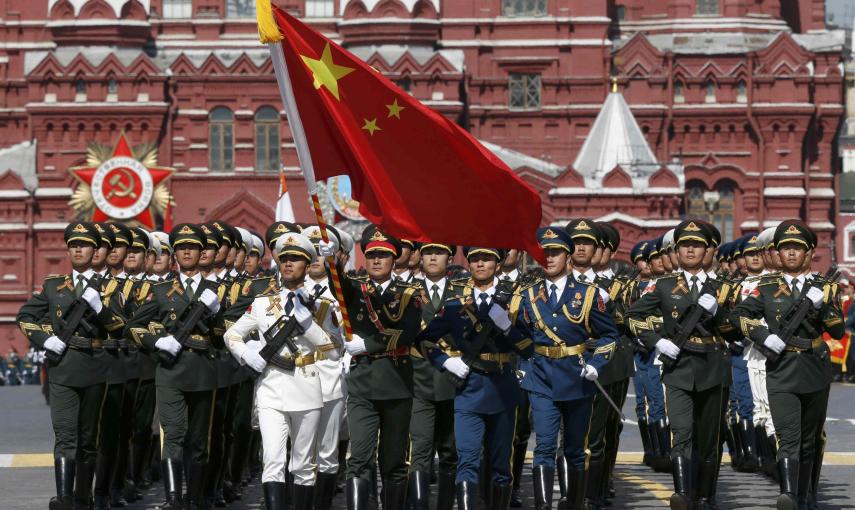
416, 174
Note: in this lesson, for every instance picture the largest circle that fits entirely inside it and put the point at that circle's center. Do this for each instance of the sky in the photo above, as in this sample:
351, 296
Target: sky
843, 12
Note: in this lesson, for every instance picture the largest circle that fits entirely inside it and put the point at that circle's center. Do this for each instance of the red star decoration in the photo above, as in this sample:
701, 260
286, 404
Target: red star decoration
122, 148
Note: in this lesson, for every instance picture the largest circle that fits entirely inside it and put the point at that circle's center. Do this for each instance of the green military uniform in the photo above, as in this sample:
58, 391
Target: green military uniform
799, 380
78, 380
380, 382
432, 423
694, 385
185, 388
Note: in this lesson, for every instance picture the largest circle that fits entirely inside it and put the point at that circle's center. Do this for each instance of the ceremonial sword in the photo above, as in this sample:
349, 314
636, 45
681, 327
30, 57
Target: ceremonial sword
603, 392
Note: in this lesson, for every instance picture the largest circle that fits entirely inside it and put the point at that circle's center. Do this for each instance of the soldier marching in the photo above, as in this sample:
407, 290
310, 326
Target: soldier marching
183, 346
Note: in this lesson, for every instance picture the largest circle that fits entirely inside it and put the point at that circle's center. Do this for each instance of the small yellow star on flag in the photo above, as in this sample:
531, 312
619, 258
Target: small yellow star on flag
326, 72
371, 126
395, 110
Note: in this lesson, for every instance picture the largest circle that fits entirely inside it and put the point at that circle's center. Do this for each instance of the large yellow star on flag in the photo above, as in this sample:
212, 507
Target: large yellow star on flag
395, 109
326, 72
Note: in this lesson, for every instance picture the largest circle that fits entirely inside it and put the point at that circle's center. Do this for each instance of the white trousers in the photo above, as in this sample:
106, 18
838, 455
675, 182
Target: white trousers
762, 414
328, 435
276, 426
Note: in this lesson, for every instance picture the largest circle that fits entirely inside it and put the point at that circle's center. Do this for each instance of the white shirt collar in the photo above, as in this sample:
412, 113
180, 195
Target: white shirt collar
403, 276
222, 274
560, 285
441, 283
103, 272
382, 286
590, 275
489, 292
137, 277
607, 273
311, 282
789, 279
197, 278
88, 274
511, 275
702, 276
233, 272
121, 274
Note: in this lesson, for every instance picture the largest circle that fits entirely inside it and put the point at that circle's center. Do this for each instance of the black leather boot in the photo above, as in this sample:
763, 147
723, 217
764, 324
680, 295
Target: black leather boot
563, 482
83, 484
516, 471
576, 488
788, 475
662, 461
303, 497
274, 495
805, 482
172, 473
63, 471
681, 469
419, 493
734, 447
750, 461
324, 490
445, 491
358, 493
594, 489
646, 443
196, 478
544, 478
706, 482
500, 497
103, 479
467, 496
395, 493
772, 442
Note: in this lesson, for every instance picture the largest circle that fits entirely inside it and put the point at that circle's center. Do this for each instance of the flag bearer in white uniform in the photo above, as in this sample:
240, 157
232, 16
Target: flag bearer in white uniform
288, 392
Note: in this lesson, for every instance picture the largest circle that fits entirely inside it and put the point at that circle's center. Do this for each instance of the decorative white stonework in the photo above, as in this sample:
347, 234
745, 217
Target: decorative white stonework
116, 5
369, 4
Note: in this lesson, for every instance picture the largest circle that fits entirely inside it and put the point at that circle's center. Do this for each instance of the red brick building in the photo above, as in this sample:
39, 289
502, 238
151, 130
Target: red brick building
723, 109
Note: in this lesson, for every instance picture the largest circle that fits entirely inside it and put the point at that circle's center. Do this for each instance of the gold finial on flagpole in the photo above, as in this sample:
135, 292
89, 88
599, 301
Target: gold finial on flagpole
614, 80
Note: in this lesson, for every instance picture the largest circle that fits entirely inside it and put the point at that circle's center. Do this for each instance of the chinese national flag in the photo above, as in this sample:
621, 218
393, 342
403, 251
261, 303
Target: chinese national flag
416, 174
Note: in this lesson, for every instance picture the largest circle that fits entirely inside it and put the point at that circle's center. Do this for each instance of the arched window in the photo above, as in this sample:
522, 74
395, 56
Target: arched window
221, 146
112, 90
679, 96
709, 92
716, 206
80, 91
741, 92
267, 139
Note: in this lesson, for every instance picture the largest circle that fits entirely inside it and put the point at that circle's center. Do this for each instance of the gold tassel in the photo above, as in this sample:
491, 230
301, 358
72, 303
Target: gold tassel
268, 31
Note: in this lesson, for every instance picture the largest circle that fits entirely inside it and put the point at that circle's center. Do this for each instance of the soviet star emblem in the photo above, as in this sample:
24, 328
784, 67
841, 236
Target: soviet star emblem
121, 184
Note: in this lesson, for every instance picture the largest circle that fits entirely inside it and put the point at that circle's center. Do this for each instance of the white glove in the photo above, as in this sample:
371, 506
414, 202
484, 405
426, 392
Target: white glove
816, 297
590, 373
457, 367
775, 344
55, 345
254, 345
500, 318
254, 360
668, 348
93, 298
168, 344
708, 303
326, 248
302, 314
345, 363
356, 346
209, 299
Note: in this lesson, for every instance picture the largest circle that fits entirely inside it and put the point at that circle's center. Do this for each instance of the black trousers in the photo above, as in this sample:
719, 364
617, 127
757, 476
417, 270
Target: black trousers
798, 419
75, 414
380, 426
432, 431
695, 421
185, 421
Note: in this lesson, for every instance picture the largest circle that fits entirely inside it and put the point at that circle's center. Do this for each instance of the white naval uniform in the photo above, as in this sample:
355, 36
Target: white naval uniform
288, 403
332, 381
756, 363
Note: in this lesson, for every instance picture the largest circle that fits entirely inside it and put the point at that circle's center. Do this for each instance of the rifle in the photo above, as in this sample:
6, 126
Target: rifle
471, 352
77, 317
689, 323
794, 318
191, 319
281, 334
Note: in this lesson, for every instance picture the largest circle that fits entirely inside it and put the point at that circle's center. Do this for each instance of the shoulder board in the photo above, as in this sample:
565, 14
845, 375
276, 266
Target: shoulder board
362, 278
268, 293
164, 282
770, 280
54, 276
461, 282
530, 284
409, 285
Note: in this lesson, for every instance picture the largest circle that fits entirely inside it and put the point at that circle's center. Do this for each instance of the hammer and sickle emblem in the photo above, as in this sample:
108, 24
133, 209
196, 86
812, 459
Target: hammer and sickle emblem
120, 187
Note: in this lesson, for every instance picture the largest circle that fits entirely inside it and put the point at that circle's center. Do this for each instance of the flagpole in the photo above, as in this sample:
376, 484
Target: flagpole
307, 167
